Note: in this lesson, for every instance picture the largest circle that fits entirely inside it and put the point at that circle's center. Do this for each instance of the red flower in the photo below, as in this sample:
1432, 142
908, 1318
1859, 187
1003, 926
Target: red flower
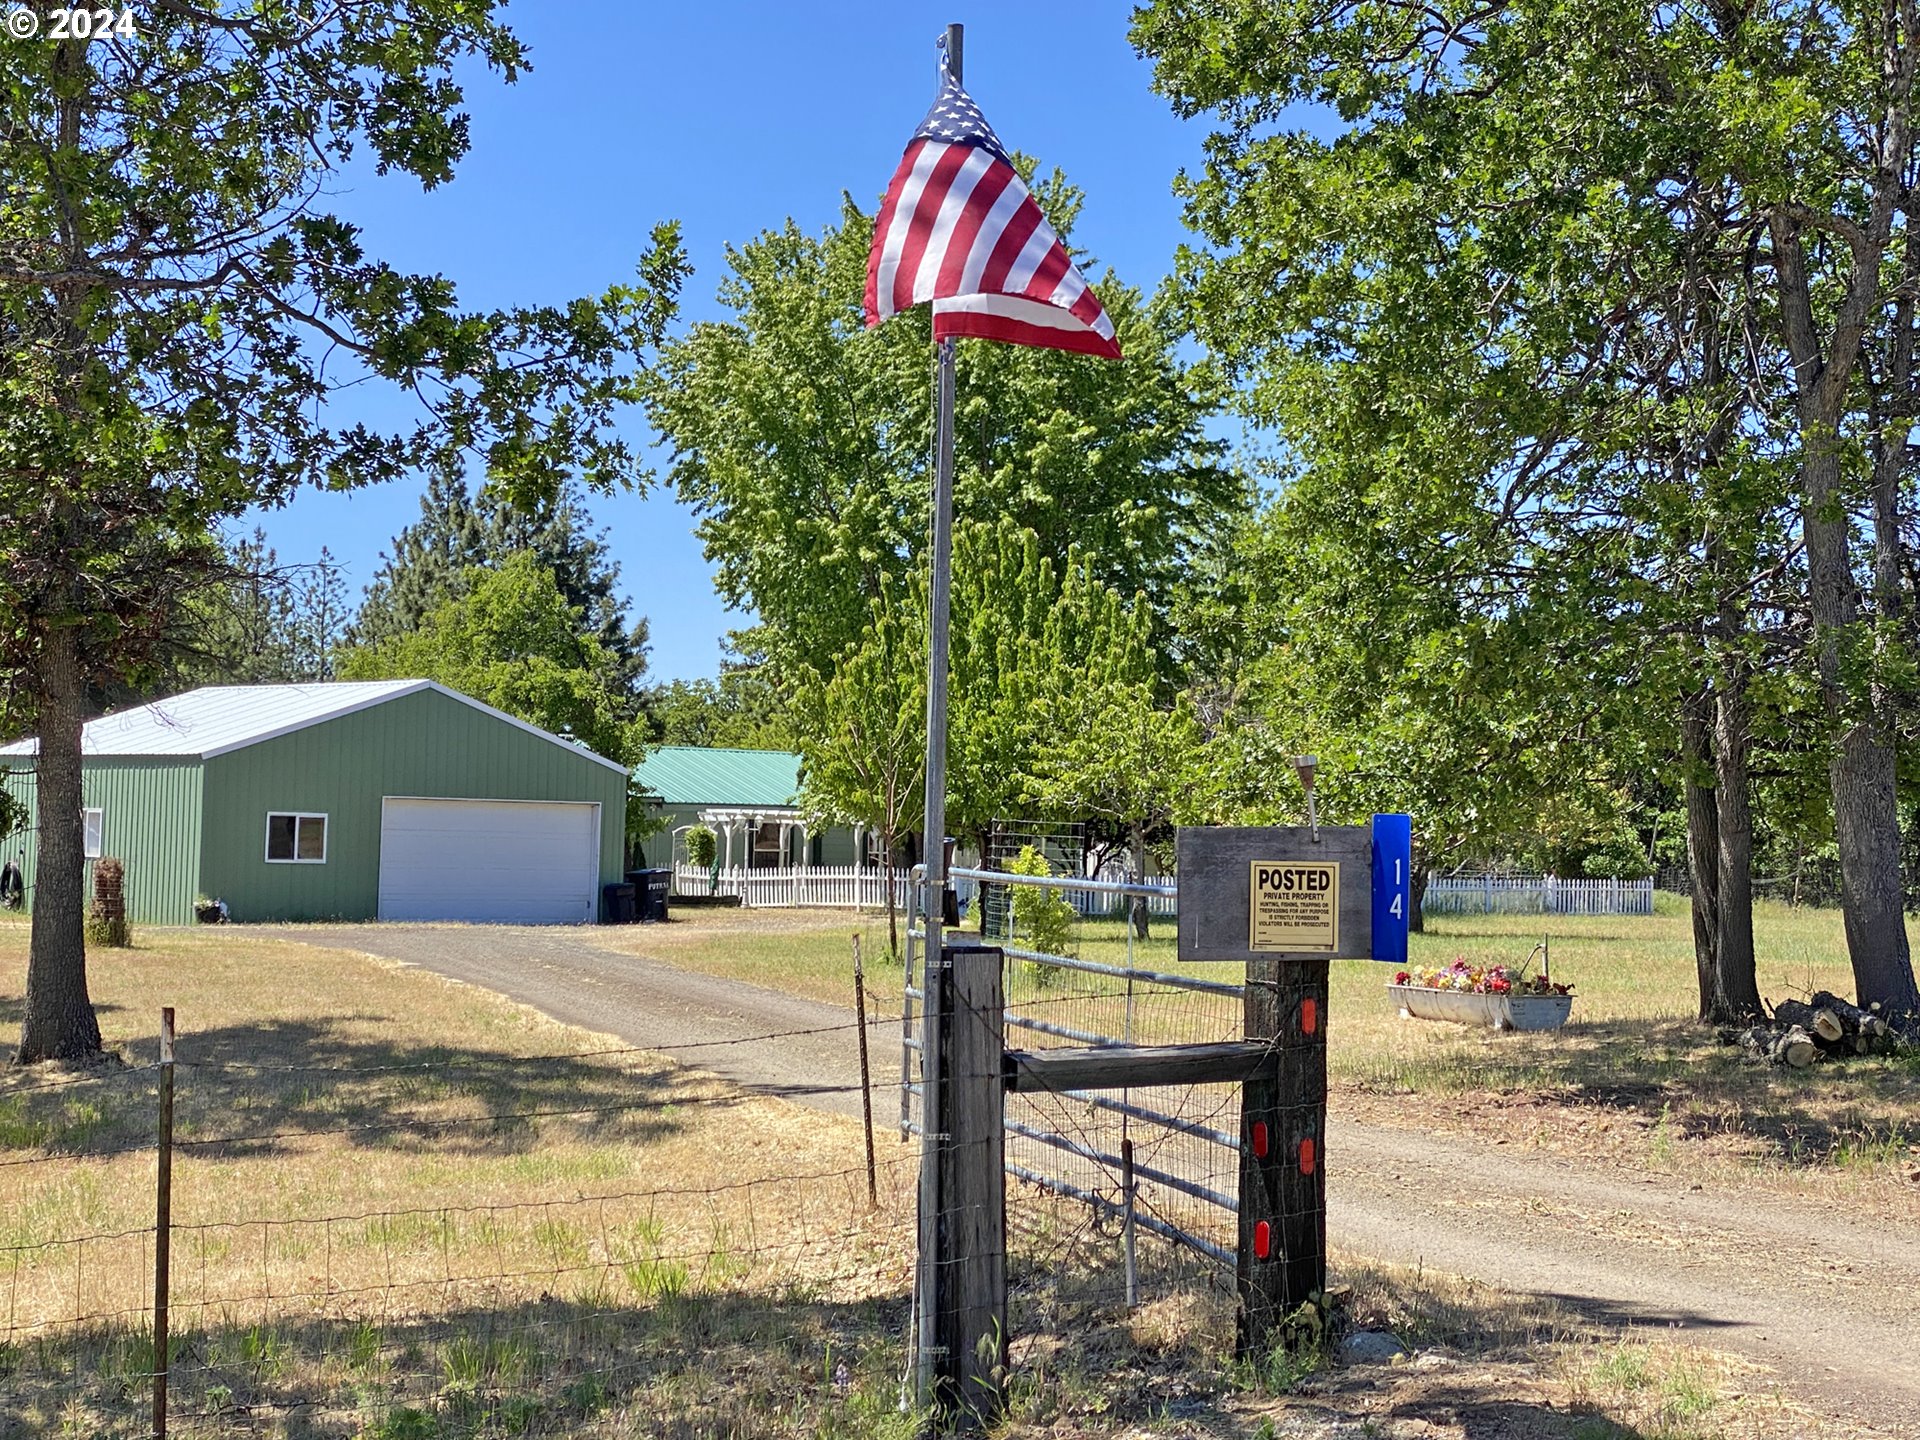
1402, 978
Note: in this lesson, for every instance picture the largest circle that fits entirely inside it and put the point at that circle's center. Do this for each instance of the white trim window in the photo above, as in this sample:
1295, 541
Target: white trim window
93, 827
296, 837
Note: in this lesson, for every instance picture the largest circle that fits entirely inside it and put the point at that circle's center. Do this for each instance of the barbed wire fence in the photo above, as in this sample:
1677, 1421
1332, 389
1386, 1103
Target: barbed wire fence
531, 1315
520, 1314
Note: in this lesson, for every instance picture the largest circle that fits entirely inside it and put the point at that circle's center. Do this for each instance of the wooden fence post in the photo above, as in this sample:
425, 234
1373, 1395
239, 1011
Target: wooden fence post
1283, 1184
971, 1299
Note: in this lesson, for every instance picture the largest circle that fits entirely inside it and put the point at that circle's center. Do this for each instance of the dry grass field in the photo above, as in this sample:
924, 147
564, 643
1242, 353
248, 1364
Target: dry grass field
408, 1209
399, 1201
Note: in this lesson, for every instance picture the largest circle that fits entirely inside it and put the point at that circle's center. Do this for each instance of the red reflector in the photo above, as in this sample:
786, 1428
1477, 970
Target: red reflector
1260, 1139
1262, 1240
1306, 1156
1309, 1015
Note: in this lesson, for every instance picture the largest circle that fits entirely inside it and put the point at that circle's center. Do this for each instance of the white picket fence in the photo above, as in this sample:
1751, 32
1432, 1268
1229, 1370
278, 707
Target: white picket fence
1536, 895
844, 887
849, 887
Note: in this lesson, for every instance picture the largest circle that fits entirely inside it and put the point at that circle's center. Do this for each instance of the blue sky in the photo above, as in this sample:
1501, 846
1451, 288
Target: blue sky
731, 117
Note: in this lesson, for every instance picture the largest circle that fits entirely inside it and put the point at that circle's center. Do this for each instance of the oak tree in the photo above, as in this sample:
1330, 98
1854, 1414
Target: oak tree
179, 305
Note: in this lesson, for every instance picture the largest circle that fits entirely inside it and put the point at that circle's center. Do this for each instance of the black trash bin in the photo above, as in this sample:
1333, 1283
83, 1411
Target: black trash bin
651, 888
617, 904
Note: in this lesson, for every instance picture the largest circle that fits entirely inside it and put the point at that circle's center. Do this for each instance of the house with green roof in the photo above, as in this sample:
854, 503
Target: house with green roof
748, 798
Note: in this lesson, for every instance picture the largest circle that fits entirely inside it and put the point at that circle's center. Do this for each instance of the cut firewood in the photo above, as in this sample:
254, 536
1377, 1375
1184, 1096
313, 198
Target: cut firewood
1795, 1048
1801, 1032
1822, 1026
1866, 1022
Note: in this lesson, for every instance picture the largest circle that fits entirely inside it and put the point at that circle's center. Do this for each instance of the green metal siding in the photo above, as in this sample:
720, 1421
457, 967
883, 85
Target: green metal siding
836, 846
150, 819
426, 745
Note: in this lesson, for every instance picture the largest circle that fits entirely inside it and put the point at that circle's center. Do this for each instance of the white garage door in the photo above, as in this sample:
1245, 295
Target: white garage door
506, 861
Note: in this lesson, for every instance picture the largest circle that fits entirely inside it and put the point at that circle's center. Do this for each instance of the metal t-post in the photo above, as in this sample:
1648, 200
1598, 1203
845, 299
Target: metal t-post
163, 1230
933, 969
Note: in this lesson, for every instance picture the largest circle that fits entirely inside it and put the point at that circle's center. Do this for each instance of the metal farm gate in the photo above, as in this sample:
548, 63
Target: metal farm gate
1162, 1159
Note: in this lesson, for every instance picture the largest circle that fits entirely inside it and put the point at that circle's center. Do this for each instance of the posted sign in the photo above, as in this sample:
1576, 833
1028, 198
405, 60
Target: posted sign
1289, 892
1293, 907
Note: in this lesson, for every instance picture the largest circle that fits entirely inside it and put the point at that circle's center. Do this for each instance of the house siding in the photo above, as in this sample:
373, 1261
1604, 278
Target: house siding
427, 745
151, 816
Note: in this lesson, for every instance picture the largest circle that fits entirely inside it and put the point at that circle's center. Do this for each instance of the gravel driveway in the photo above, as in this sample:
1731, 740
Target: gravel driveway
715, 1025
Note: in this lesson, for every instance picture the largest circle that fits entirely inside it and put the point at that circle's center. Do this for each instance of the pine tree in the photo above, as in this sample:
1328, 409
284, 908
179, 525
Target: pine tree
427, 565
459, 537
320, 616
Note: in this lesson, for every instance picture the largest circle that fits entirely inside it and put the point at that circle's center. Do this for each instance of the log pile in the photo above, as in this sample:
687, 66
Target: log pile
1827, 1028
107, 916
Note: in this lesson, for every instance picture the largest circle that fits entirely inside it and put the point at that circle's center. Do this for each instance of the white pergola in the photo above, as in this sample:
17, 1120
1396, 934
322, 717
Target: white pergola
745, 820
727, 820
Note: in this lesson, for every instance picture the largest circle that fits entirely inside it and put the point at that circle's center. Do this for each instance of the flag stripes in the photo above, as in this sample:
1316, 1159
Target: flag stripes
959, 229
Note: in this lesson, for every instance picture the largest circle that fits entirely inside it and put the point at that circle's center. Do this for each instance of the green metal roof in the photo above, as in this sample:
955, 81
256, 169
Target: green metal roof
695, 775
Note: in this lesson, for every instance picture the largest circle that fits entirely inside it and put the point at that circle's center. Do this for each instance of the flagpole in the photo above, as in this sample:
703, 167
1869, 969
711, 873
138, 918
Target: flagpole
934, 967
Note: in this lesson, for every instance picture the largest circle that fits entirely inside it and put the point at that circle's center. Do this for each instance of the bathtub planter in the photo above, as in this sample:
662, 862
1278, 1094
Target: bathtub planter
1498, 1012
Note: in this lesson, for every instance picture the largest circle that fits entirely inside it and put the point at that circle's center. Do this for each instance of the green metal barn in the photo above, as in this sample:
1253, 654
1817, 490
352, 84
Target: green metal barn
390, 799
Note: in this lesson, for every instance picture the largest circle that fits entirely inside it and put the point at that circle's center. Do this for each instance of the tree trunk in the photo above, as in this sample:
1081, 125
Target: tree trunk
1703, 847
1894, 972
1865, 802
1736, 991
1138, 908
886, 879
1866, 823
1417, 895
1866, 818
60, 1023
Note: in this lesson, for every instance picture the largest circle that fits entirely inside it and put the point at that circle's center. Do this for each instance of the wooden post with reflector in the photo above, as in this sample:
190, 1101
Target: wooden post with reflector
1283, 1117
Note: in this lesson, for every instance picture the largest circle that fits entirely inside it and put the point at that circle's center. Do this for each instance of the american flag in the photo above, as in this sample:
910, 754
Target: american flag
959, 228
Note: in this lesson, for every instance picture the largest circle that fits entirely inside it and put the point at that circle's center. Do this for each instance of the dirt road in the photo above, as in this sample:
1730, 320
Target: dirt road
1825, 1300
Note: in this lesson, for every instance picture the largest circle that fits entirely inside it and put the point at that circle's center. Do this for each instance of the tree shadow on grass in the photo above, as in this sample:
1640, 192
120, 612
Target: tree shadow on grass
13, 1011
258, 1089
1470, 1414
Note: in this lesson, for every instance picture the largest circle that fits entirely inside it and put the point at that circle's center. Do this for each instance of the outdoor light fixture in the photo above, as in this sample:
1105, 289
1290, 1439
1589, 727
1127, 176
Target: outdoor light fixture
1303, 767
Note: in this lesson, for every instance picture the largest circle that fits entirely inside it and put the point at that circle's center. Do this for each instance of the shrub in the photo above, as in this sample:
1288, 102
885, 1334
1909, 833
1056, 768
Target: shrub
1041, 917
702, 847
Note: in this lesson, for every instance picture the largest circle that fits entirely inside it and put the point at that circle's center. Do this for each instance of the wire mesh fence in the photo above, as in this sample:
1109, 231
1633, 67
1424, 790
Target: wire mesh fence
1162, 1161
534, 1315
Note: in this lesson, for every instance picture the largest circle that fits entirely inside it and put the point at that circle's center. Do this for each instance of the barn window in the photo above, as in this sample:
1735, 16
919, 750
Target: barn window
296, 839
92, 826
